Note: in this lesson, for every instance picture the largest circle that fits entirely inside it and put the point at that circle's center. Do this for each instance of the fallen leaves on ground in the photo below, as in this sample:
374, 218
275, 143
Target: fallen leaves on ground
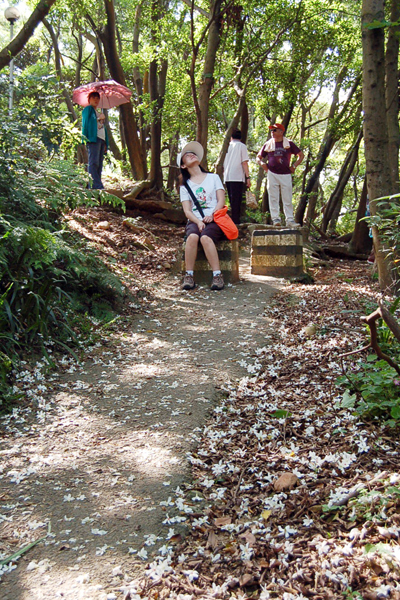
293, 496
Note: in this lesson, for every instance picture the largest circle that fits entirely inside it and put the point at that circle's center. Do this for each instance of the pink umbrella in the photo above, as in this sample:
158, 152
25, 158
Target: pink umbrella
111, 93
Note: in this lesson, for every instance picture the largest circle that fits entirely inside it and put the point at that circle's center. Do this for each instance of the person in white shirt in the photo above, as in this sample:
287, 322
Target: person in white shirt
236, 173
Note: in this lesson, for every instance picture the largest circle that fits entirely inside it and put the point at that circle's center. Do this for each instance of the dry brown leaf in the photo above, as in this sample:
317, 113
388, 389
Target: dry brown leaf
287, 481
246, 579
249, 537
212, 541
221, 521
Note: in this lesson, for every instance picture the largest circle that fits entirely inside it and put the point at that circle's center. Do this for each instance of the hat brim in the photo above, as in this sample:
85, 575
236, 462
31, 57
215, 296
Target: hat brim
194, 147
277, 126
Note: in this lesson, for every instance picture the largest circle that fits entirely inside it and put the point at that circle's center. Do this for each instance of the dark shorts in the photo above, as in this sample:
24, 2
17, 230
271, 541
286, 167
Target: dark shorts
212, 230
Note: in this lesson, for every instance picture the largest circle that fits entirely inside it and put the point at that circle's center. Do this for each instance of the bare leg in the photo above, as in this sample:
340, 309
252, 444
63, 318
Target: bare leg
211, 252
191, 251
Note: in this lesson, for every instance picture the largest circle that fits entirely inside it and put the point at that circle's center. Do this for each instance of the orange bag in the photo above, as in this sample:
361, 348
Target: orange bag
225, 223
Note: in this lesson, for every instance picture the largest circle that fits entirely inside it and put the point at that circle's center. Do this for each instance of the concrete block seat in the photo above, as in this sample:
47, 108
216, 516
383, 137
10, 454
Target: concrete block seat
277, 252
228, 252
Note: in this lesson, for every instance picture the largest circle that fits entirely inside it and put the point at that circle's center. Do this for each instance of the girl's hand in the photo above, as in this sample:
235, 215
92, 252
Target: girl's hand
201, 226
208, 219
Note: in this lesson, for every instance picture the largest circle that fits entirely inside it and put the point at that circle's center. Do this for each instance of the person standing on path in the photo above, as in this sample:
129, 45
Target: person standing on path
95, 136
209, 193
274, 157
236, 173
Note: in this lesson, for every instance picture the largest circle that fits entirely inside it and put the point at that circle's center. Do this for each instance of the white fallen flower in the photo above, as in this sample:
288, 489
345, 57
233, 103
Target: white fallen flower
99, 531
142, 554
192, 575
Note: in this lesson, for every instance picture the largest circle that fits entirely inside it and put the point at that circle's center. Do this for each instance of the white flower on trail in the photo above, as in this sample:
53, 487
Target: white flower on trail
96, 531
246, 552
207, 482
150, 539
192, 575
142, 554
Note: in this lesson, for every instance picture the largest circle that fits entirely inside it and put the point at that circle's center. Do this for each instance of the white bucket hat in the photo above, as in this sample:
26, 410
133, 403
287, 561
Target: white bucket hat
194, 147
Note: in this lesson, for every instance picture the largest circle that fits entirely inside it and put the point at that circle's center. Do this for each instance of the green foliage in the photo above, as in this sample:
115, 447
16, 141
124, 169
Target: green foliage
387, 220
47, 273
373, 386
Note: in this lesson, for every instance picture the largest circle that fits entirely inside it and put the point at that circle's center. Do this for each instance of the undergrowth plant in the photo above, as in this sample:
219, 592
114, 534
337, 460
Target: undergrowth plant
48, 274
387, 220
373, 386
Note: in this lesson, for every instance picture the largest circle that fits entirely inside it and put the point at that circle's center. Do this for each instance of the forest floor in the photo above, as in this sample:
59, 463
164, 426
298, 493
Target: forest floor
153, 468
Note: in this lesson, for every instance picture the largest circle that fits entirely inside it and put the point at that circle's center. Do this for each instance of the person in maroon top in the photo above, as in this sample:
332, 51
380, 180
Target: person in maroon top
275, 158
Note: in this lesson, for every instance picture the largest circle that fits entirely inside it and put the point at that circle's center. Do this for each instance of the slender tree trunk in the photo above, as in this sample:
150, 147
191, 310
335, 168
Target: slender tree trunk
392, 95
324, 153
107, 36
82, 156
157, 83
207, 78
79, 43
173, 170
17, 44
330, 138
347, 169
244, 122
375, 125
360, 242
312, 204
57, 64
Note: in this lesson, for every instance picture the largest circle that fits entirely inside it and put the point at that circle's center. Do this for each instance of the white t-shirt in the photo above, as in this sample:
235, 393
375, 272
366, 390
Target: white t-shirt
100, 129
233, 168
205, 193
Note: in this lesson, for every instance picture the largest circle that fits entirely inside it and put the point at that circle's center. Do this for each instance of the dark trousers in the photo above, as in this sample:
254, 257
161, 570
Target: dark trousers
235, 194
96, 151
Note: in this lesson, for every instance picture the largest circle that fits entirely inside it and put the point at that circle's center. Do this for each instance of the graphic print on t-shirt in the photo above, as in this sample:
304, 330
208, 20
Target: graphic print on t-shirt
280, 155
201, 196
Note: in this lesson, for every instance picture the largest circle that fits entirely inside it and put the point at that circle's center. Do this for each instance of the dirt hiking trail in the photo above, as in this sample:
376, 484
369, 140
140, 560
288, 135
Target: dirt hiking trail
108, 444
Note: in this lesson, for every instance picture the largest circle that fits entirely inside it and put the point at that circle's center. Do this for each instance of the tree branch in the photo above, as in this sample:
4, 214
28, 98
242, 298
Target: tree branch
20, 40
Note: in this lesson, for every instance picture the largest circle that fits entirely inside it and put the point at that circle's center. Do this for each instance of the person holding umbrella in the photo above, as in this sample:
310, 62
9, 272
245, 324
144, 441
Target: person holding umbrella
95, 136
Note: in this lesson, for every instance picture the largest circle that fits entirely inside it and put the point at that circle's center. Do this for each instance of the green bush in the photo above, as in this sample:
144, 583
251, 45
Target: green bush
373, 386
48, 274
388, 223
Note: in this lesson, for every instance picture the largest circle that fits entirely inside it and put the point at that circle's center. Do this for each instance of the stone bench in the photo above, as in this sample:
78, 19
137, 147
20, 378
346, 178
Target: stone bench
277, 252
228, 252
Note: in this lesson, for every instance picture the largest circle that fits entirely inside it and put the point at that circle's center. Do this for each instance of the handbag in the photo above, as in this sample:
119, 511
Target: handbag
223, 220
251, 201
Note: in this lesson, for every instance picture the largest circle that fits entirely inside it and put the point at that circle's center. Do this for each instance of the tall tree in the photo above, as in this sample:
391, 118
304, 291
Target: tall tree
376, 142
107, 35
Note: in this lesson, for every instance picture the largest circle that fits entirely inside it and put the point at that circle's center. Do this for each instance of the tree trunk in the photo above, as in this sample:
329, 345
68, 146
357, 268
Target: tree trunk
107, 36
207, 78
392, 95
345, 173
312, 203
82, 156
79, 43
173, 170
330, 138
138, 80
375, 126
157, 83
17, 44
324, 153
244, 122
57, 64
360, 242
